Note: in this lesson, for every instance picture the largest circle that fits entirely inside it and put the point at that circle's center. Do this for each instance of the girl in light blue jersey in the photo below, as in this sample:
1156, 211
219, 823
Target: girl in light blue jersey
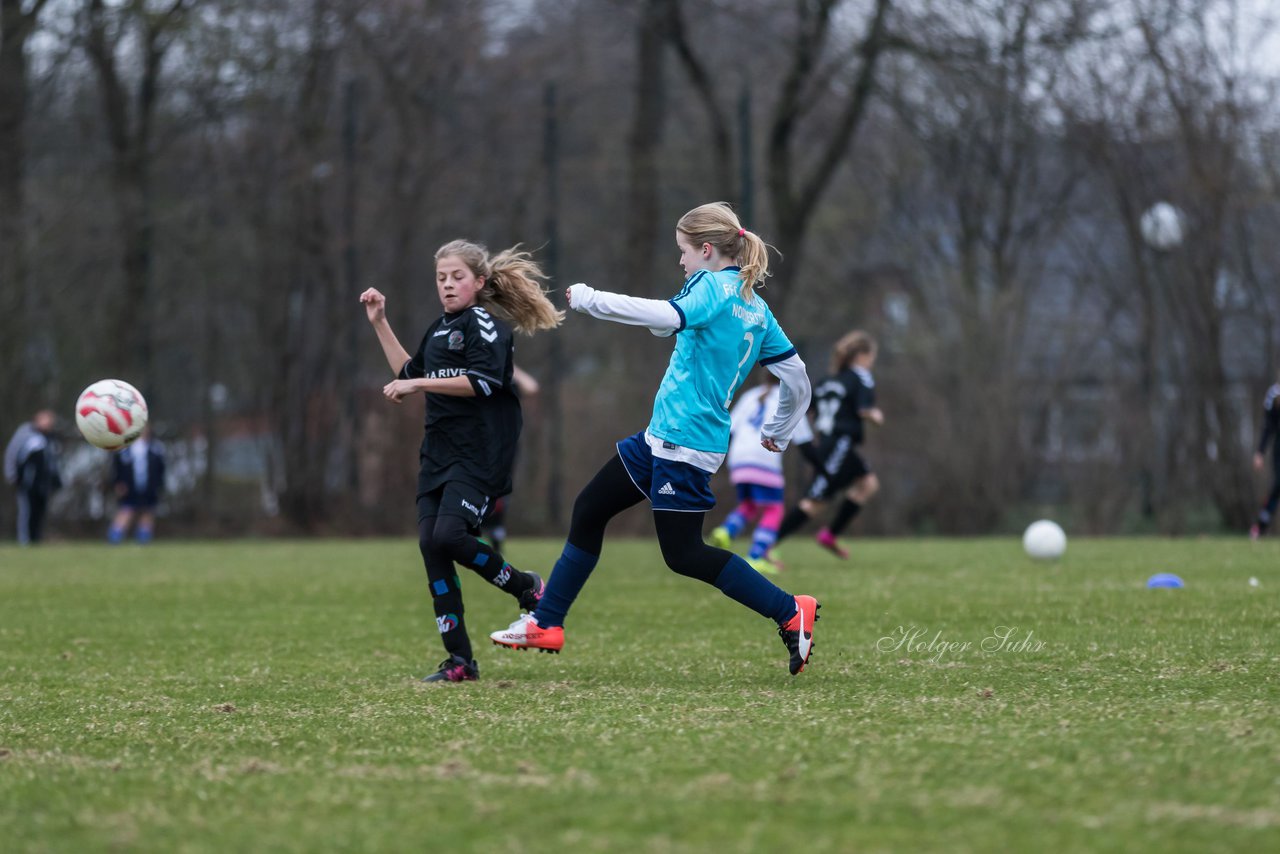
722, 330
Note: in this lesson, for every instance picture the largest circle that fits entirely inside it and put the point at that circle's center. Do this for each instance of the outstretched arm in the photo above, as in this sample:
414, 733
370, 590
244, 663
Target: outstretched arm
793, 403
375, 306
659, 316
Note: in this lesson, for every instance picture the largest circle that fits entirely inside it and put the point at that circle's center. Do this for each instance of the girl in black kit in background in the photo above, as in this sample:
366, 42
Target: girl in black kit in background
844, 401
464, 367
1270, 436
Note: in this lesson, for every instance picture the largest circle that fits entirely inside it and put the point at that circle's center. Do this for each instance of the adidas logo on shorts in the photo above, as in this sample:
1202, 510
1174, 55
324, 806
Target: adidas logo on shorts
666, 489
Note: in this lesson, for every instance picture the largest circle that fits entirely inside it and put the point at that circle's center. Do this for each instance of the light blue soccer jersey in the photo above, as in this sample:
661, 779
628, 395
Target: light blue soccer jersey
719, 340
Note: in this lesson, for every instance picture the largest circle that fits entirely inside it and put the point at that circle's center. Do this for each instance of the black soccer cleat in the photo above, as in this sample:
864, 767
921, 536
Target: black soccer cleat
797, 633
455, 668
530, 598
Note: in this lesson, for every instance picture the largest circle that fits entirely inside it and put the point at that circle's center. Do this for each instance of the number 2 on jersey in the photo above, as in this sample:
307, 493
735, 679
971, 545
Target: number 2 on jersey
749, 340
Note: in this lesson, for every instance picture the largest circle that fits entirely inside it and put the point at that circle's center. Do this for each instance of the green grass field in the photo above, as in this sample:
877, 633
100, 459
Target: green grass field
263, 696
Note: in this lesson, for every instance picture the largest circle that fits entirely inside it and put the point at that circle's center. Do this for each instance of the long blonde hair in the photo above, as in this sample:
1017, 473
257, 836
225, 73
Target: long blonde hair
512, 286
717, 224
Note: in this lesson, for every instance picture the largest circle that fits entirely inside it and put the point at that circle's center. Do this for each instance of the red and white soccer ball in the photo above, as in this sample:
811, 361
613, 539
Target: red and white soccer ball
111, 414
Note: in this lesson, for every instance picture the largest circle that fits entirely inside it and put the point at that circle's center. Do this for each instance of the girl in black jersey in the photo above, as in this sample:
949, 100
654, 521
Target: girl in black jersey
464, 369
1270, 436
843, 402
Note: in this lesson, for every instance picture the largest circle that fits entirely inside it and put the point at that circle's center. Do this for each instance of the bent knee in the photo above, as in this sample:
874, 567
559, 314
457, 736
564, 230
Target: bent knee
866, 488
682, 567
703, 564
449, 537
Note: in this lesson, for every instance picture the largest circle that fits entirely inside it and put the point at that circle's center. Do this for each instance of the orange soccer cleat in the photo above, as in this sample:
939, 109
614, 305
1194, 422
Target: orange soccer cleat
525, 633
797, 633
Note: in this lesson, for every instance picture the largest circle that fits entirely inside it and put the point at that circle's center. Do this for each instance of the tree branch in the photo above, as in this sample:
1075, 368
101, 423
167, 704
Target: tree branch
871, 49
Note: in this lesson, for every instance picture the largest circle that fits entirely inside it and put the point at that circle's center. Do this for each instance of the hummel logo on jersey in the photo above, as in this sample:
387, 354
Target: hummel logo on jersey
666, 489
487, 332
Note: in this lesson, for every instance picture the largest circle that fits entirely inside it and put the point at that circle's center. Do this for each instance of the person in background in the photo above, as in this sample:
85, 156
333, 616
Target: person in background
844, 401
757, 475
1270, 436
31, 465
137, 476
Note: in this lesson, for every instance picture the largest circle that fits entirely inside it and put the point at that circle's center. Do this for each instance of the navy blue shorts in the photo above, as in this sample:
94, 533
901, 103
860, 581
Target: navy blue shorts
670, 485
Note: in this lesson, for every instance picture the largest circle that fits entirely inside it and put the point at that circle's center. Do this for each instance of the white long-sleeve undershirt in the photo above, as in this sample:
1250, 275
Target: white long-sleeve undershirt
658, 316
793, 400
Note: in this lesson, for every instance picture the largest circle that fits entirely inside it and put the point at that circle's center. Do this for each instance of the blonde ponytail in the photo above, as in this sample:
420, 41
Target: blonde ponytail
516, 292
717, 224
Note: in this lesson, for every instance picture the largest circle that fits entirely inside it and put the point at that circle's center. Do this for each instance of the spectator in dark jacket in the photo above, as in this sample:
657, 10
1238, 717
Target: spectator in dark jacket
138, 478
31, 465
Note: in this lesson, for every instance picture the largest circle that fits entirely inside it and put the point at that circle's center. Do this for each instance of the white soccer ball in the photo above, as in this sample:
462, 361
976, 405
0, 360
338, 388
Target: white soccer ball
1044, 540
111, 414
1162, 226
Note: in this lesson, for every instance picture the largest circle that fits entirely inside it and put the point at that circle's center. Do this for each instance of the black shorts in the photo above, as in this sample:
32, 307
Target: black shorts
841, 466
456, 498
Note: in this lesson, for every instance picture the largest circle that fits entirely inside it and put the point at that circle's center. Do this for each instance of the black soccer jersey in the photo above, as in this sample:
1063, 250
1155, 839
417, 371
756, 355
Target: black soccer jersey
839, 400
468, 439
1270, 420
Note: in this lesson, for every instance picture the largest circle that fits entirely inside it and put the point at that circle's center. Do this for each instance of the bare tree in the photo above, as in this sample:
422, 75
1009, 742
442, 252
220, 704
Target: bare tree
1201, 84
644, 146
672, 24
20, 312
795, 194
808, 81
304, 403
130, 112
1000, 189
